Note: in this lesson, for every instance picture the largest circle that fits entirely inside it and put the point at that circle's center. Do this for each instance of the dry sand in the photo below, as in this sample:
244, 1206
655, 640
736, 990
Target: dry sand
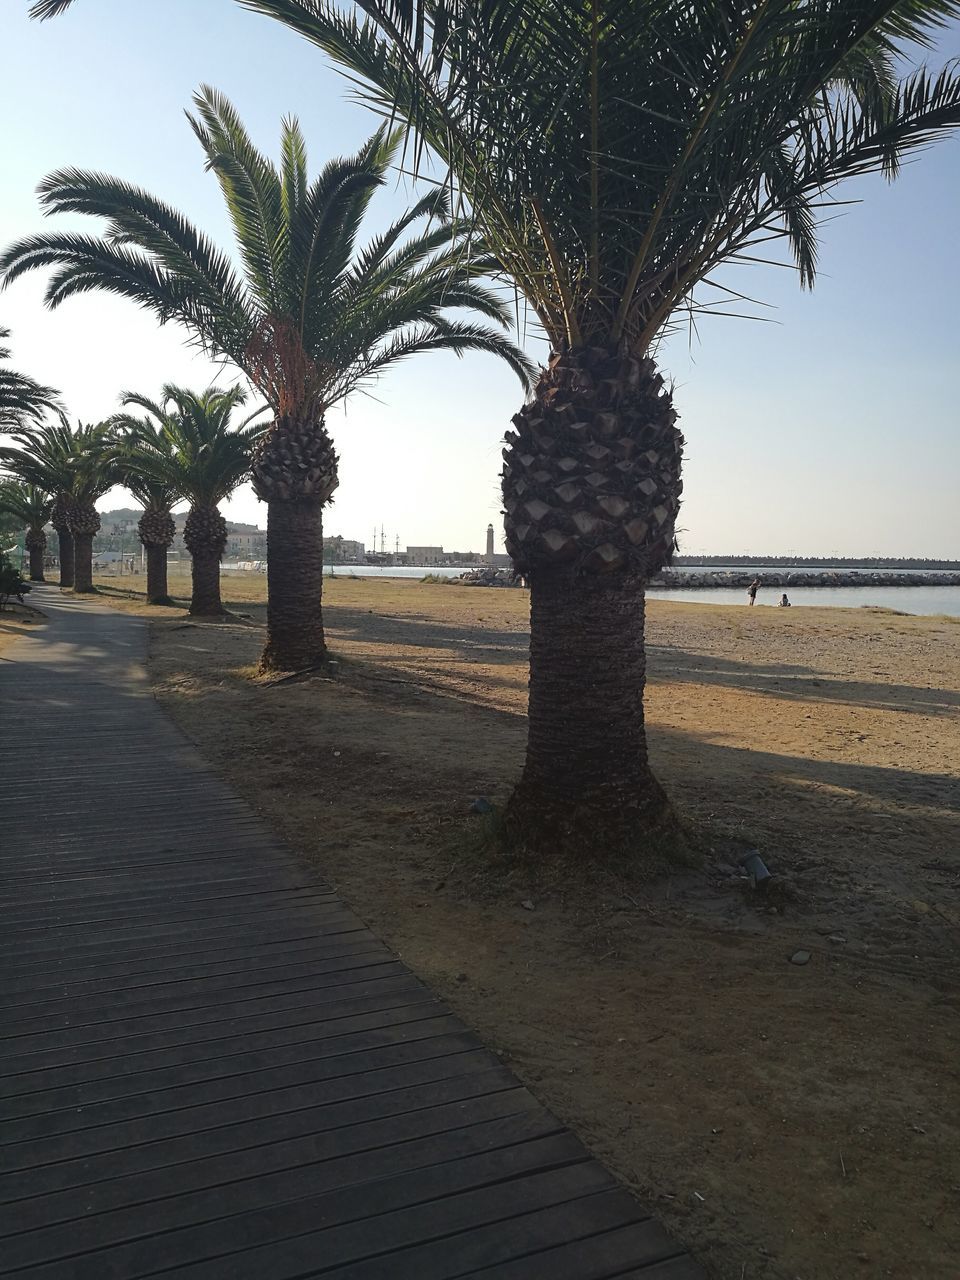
785, 1121
15, 620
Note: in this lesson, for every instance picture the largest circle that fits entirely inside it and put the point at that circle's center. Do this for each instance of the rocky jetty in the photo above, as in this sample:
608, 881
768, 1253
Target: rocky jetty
487, 576
691, 579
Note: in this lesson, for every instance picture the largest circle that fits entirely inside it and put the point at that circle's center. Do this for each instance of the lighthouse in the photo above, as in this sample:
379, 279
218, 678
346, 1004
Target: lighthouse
488, 556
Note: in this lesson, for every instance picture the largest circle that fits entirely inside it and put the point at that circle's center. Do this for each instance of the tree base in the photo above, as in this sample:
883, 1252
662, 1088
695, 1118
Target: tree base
647, 831
293, 653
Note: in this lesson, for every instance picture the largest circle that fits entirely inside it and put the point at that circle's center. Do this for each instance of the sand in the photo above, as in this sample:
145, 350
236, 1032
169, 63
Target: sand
784, 1120
17, 619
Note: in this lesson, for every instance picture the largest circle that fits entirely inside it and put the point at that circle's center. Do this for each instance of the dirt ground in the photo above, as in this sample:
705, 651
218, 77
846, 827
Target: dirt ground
15, 620
787, 1121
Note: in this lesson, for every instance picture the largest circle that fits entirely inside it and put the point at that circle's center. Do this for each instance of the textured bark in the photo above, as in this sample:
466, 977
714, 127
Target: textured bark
586, 782
591, 489
592, 469
295, 461
205, 534
294, 586
65, 555
83, 563
84, 523
205, 601
36, 564
157, 592
36, 543
156, 529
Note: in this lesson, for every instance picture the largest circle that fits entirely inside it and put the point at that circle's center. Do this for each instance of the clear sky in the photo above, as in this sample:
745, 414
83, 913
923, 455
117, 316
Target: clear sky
835, 430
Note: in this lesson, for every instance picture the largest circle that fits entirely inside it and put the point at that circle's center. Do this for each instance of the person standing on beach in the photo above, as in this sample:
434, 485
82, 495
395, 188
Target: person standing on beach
752, 590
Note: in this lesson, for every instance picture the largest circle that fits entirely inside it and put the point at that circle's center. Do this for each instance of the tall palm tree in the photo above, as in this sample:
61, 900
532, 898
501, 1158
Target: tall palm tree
615, 154
311, 319
156, 494
32, 507
193, 453
21, 398
43, 455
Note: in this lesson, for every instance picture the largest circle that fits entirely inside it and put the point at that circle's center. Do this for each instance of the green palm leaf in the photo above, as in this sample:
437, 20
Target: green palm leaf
615, 152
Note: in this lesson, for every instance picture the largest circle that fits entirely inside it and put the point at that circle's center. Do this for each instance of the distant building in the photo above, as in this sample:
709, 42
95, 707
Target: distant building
462, 557
428, 556
488, 557
339, 550
248, 544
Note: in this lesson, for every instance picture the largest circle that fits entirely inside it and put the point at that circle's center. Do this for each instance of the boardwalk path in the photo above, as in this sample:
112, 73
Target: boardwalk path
209, 1066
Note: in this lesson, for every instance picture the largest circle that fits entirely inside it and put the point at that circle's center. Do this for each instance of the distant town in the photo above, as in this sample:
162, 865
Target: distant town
247, 542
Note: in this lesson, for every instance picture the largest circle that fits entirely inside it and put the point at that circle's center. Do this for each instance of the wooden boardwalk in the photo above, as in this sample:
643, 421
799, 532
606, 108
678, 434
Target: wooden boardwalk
209, 1065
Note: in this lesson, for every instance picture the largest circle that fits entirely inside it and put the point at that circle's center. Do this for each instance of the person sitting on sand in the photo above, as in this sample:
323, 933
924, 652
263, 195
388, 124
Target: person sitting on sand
784, 603
752, 590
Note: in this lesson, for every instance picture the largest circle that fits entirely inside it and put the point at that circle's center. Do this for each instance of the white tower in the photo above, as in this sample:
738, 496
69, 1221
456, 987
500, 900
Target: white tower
488, 557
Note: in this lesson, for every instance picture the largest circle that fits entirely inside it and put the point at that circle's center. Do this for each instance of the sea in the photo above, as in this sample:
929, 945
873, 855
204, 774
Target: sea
919, 600
906, 599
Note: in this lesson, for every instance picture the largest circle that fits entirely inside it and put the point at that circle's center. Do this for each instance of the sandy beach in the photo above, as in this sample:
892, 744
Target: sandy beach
785, 1120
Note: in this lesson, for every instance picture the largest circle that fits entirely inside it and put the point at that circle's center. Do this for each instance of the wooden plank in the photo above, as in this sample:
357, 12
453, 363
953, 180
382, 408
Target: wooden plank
83, 982
101, 939
18, 1181
135, 1032
39, 1115
135, 1005
307, 1151
599, 1257
298, 1027
433, 1241
190, 1116
289, 1204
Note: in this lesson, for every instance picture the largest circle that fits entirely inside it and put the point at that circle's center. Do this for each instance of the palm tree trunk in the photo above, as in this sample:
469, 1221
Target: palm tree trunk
36, 542
36, 564
83, 563
157, 574
591, 488
205, 534
586, 782
66, 557
295, 638
205, 600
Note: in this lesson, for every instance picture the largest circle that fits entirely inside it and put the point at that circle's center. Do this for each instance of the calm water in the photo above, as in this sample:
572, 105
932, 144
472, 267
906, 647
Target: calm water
906, 599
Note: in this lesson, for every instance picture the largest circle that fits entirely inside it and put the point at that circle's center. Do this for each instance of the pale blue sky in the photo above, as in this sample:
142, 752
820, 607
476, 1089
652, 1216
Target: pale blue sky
834, 430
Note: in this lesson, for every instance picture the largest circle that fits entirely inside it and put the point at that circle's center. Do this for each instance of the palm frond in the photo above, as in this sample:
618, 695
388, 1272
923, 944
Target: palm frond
613, 154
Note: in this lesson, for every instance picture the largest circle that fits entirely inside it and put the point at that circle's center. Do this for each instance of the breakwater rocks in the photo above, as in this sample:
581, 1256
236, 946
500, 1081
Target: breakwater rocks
691, 579
489, 577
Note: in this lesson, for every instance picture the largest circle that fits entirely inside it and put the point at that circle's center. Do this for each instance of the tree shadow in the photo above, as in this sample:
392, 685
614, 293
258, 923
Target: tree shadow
796, 683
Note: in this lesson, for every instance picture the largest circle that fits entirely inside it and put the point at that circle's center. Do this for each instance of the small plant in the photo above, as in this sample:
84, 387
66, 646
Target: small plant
11, 582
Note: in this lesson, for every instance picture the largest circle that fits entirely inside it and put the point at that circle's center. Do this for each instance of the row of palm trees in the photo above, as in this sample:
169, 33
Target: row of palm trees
310, 319
182, 448
612, 155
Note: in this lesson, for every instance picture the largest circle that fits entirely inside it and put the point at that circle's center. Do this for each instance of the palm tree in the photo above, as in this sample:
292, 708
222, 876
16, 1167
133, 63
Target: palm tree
615, 154
190, 451
32, 507
21, 398
93, 471
156, 494
311, 320
43, 455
